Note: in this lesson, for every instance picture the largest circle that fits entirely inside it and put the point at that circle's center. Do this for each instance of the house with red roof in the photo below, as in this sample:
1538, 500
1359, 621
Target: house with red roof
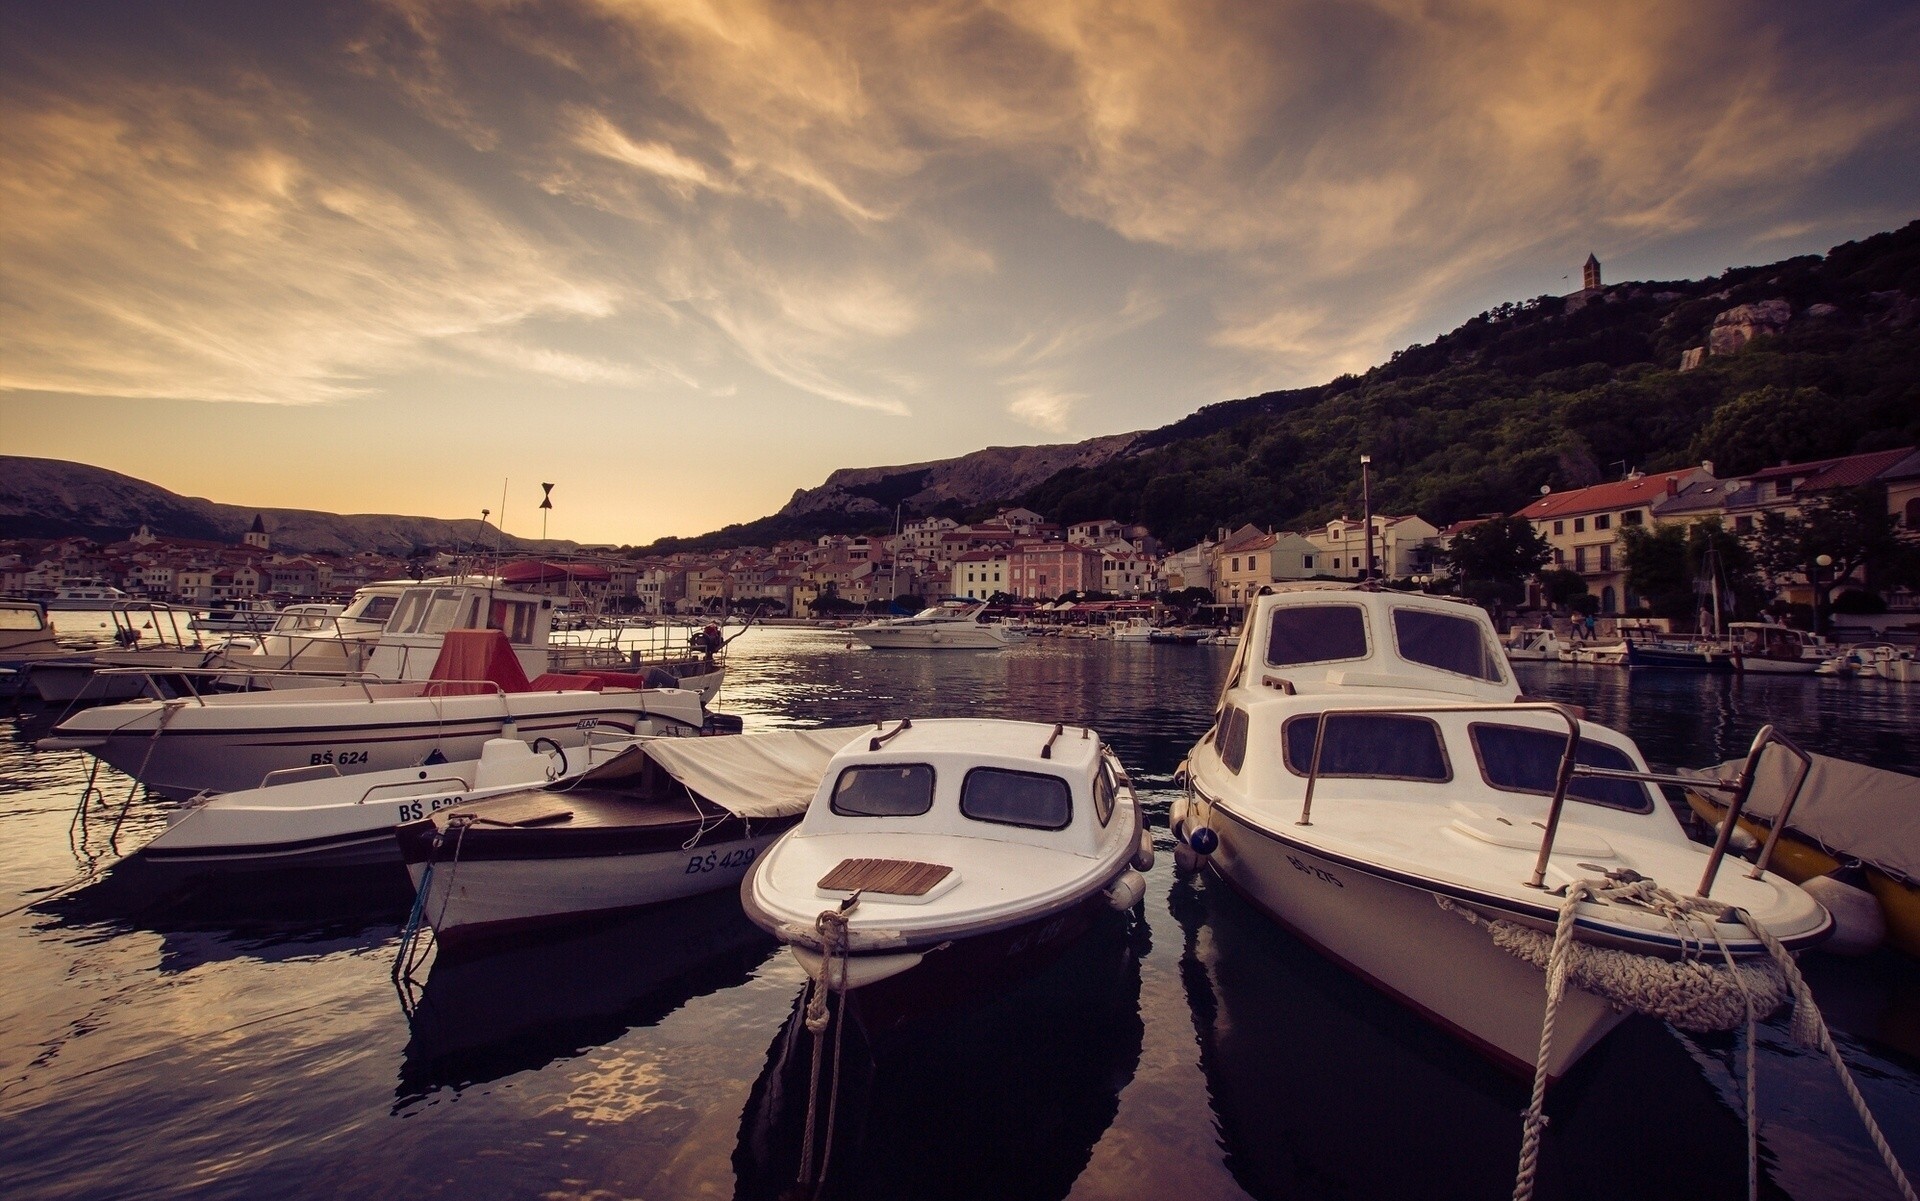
1583, 526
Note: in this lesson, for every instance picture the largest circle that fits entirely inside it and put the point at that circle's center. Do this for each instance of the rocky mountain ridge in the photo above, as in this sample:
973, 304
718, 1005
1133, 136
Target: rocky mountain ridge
52, 498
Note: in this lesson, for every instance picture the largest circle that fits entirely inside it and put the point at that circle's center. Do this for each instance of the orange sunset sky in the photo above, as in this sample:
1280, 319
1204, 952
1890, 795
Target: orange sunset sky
683, 258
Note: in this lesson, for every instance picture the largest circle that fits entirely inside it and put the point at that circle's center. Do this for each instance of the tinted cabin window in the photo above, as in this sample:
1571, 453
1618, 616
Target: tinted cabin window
1455, 644
1385, 746
1316, 634
1103, 789
1233, 738
379, 608
20, 619
442, 611
1016, 798
1518, 759
889, 790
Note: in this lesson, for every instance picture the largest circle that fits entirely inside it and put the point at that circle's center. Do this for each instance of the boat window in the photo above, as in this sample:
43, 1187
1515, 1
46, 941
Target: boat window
884, 790
1016, 798
406, 614
1521, 759
514, 617
1233, 738
1103, 790
1388, 746
442, 611
1445, 641
377, 608
19, 619
1316, 634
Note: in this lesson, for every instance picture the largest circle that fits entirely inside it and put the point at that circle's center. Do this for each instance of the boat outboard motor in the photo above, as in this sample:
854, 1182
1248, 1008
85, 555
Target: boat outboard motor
1859, 924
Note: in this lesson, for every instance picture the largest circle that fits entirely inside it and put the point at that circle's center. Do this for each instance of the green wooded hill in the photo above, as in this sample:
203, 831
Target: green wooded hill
1561, 391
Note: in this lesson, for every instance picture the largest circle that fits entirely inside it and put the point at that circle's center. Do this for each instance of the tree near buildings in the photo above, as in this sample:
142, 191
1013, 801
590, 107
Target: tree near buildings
1675, 569
1563, 588
1851, 528
1494, 559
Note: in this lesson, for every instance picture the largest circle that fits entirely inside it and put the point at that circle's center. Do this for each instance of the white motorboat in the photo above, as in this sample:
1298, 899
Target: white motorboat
247, 616
950, 853
316, 817
1872, 660
196, 743
314, 644
26, 637
1373, 783
667, 818
949, 625
1133, 629
1595, 654
1526, 644
86, 594
147, 636
1776, 649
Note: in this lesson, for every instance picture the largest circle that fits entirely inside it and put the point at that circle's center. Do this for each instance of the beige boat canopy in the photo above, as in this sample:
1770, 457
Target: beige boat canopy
1851, 810
750, 775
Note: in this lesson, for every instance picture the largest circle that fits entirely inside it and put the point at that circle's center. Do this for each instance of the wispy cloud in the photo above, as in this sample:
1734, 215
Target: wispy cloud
1043, 409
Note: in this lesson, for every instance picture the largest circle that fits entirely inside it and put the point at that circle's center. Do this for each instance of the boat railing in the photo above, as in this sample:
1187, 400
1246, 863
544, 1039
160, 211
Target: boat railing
299, 775
188, 675
421, 783
1741, 786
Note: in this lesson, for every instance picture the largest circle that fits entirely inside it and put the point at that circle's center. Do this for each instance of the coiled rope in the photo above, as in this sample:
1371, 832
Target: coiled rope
1691, 994
831, 926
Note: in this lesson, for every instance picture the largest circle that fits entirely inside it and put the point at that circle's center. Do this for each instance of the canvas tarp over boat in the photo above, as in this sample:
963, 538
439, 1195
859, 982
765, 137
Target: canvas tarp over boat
750, 775
1850, 810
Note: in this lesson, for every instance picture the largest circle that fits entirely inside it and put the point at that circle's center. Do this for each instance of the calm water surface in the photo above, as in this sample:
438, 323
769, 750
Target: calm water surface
224, 1045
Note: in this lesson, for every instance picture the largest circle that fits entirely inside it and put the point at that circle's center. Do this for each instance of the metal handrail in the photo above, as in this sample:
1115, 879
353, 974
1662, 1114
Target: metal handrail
299, 775
1562, 778
1741, 786
368, 794
186, 676
880, 740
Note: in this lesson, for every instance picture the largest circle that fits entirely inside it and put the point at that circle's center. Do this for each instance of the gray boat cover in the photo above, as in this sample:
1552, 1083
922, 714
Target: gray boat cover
1849, 809
750, 775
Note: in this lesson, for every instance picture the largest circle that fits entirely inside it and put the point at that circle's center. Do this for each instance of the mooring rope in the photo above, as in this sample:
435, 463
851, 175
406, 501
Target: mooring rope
1691, 994
831, 926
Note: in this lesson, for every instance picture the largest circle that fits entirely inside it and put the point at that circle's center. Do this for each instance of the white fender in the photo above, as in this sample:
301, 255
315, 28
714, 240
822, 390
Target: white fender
1127, 890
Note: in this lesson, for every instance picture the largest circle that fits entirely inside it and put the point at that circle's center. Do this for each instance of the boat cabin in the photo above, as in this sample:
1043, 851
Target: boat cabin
1762, 640
999, 781
1316, 639
410, 641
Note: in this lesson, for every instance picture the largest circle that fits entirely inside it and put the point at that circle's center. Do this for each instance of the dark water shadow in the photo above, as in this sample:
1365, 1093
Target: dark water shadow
517, 1006
267, 916
1324, 1088
1005, 1098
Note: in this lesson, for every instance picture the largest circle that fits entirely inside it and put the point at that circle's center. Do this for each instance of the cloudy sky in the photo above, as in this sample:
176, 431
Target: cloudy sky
682, 258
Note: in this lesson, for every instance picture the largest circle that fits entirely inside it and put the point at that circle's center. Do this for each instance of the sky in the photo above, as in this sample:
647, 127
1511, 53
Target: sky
681, 258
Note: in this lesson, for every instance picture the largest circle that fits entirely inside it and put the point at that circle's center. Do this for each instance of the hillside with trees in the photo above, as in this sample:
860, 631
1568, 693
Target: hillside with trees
1555, 391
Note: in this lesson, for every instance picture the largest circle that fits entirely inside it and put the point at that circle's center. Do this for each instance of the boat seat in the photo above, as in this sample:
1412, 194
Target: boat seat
653, 677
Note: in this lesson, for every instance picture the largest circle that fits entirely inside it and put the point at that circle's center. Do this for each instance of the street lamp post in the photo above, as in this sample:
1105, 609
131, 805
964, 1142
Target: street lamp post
1366, 515
1822, 567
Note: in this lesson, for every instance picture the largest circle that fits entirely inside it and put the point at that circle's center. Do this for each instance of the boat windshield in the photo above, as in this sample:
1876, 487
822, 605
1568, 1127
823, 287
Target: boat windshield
378, 607
12, 618
1445, 641
1386, 746
1521, 759
1016, 798
1233, 738
1316, 634
884, 790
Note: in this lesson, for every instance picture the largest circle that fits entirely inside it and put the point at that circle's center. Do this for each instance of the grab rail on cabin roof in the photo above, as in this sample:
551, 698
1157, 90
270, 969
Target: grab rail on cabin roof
187, 675
1741, 786
454, 780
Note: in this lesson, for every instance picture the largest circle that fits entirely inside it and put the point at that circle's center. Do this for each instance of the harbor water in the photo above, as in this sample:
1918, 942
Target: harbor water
243, 1043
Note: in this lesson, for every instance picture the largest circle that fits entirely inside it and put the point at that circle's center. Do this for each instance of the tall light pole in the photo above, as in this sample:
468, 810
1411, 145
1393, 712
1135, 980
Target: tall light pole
1366, 515
1822, 568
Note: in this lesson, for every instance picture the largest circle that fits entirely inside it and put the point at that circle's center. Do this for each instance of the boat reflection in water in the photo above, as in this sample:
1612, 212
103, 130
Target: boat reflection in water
1323, 1087
1005, 1098
517, 1006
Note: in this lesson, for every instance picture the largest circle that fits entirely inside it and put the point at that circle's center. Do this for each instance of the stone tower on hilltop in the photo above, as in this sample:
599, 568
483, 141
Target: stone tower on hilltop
1590, 273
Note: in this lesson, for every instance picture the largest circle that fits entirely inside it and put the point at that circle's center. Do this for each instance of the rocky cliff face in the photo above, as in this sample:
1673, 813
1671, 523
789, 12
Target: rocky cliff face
46, 498
1743, 323
985, 476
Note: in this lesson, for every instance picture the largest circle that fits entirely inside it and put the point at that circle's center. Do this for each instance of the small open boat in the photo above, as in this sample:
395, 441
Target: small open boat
944, 853
667, 818
1846, 812
316, 817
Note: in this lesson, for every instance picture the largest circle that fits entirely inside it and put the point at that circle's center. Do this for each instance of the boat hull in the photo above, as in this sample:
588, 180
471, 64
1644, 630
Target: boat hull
1395, 936
964, 638
208, 749
1671, 659
961, 969
481, 895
